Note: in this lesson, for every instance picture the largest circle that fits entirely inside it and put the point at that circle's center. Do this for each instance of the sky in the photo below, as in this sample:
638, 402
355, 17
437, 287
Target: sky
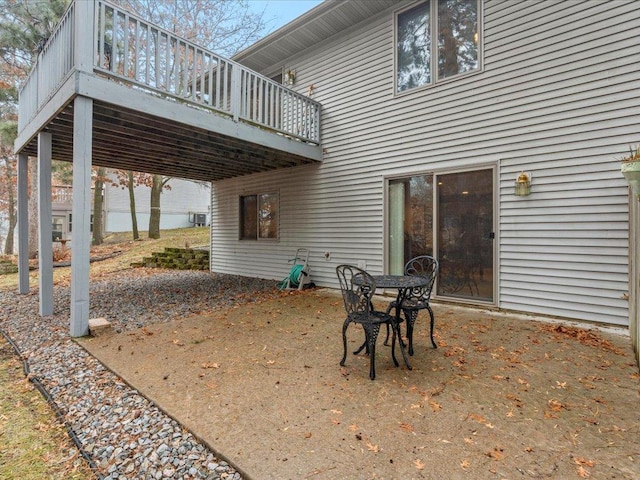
281, 12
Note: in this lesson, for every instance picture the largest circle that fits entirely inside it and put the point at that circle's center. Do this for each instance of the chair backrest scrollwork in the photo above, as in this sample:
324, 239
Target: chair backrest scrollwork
422, 266
357, 288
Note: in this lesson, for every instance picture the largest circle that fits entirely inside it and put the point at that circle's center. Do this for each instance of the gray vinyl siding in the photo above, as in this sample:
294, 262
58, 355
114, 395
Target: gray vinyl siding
557, 96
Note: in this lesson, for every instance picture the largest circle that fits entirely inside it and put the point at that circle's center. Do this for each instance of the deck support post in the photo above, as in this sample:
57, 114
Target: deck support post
23, 223
81, 211
45, 220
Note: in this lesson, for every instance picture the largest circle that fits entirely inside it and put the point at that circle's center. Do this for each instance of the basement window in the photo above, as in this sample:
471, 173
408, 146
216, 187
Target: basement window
259, 217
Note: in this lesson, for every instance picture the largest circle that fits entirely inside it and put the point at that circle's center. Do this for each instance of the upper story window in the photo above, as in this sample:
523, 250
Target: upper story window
422, 60
259, 216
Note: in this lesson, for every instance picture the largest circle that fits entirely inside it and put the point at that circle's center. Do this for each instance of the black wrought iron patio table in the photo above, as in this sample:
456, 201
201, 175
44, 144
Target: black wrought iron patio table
404, 284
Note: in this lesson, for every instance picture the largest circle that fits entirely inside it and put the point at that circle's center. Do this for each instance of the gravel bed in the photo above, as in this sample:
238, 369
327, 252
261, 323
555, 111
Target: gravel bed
125, 434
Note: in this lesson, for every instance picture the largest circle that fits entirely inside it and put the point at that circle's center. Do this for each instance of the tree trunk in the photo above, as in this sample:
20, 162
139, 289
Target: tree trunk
154, 217
132, 206
98, 237
11, 206
33, 207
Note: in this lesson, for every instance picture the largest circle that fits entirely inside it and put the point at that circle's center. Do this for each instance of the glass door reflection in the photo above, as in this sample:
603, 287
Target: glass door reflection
465, 235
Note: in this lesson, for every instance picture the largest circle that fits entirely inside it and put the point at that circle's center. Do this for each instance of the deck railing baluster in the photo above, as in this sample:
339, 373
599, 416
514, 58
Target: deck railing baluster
125, 46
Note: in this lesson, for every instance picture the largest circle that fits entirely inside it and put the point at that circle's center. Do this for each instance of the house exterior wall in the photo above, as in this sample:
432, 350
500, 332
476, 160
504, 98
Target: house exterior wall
177, 205
557, 96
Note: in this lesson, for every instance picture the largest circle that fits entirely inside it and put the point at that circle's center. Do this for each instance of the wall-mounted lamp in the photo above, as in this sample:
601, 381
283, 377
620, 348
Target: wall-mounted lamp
290, 77
523, 184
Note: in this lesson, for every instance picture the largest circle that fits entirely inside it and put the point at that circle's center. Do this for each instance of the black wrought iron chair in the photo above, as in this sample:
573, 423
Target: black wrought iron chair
417, 299
357, 288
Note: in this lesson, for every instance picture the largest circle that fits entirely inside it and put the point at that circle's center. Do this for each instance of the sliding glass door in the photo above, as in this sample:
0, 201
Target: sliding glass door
461, 237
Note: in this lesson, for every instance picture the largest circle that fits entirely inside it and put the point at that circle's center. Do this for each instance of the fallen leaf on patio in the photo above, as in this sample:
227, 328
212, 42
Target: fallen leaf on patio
496, 453
453, 351
372, 448
437, 390
554, 405
586, 337
210, 365
337, 412
178, 342
480, 419
465, 464
498, 377
477, 418
416, 405
406, 427
583, 461
435, 406
528, 449
561, 384
419, 464
270, 362
307, 435
469, 441
583, 472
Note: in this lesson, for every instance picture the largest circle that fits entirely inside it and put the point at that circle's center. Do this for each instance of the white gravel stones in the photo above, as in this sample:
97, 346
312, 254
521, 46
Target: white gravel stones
124, 433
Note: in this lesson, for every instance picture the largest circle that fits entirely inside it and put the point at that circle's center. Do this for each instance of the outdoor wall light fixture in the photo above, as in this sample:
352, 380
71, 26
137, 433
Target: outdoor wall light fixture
523, 184
290, 77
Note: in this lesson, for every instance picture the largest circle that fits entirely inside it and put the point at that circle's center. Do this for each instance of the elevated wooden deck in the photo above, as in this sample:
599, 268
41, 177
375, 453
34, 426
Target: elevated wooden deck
161, 104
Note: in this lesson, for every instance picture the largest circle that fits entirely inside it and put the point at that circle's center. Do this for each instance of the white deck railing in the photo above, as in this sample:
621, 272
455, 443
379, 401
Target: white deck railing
145, 56
55, 62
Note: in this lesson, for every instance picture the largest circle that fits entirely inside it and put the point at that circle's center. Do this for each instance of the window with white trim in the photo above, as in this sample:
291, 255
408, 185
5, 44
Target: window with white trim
422, 60
259, 216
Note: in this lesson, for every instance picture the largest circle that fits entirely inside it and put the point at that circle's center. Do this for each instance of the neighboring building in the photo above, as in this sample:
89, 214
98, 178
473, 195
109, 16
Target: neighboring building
184, 204
62, 217
423, 144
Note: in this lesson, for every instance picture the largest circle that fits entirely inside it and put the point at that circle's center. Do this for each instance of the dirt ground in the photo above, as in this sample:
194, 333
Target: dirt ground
503, 397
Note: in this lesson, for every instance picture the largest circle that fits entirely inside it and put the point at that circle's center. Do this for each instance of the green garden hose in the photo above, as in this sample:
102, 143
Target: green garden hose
293, 279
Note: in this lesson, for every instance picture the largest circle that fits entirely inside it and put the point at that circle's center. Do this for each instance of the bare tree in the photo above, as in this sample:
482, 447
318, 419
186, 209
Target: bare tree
98, 236
8, 188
